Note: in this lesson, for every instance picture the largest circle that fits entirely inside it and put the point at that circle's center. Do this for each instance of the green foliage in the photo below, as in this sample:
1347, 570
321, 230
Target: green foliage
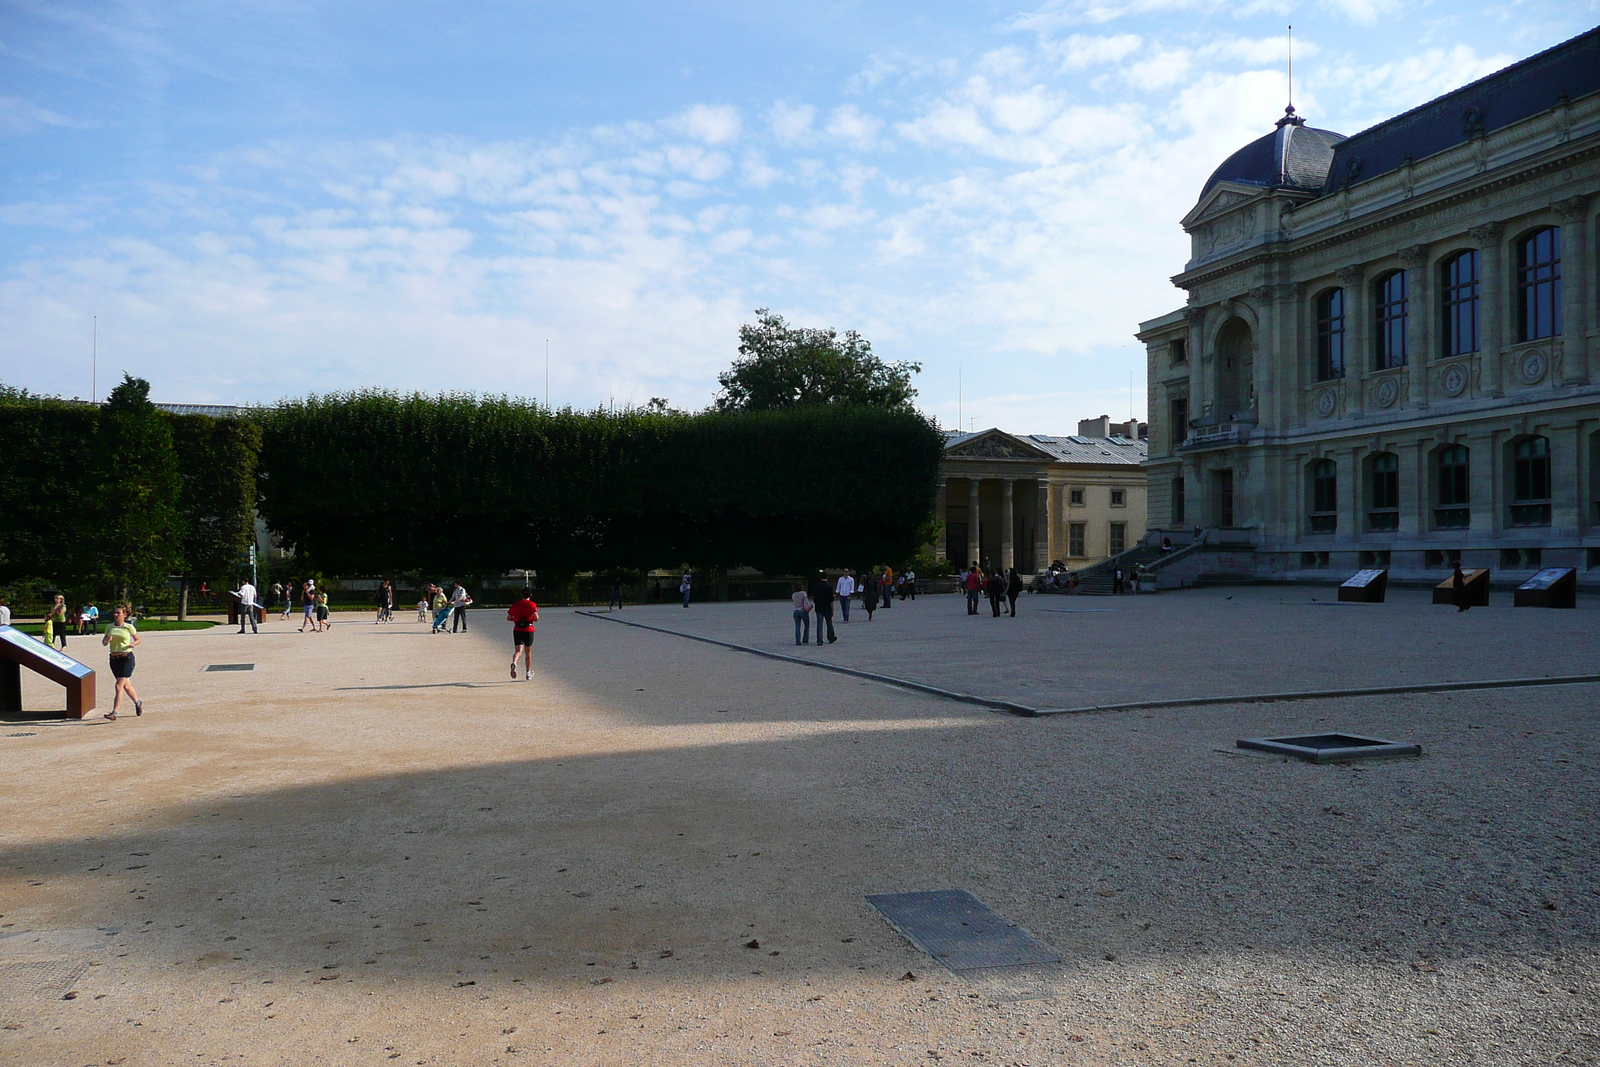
783, 366
373, 482
94, 499
137, 528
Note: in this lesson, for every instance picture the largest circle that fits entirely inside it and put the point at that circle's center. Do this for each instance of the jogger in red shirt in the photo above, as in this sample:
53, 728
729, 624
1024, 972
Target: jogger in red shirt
522, 615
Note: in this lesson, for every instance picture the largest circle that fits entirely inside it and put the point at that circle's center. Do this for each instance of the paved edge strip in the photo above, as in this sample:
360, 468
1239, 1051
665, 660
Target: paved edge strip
1327, 694
931, 690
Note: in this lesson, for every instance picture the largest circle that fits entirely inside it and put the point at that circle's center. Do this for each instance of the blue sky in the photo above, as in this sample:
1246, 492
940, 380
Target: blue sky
266, 199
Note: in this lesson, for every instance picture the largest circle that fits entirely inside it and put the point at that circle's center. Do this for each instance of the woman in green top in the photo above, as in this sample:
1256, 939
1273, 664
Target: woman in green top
123, 637
55, 624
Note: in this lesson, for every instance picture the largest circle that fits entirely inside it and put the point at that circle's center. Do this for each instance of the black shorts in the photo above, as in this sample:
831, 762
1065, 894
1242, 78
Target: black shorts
322, 613
122, 666
521, 637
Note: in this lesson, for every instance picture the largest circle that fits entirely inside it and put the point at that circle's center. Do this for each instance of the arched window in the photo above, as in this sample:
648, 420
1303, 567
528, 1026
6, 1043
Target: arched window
1393, 309
1383, 494
1324, 493
1452, 497
1458, 288
1530, 482
1330, 335
1539, 284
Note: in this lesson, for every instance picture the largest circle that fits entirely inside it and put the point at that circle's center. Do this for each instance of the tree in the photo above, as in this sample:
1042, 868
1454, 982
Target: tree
217, 463
783, 366
136, 525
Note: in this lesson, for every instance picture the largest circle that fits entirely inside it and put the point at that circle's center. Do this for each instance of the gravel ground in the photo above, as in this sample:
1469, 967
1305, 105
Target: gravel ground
377, 848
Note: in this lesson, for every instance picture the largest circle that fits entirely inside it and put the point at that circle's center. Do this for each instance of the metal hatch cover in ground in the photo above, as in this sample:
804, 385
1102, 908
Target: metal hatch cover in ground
959, 930
1325, 748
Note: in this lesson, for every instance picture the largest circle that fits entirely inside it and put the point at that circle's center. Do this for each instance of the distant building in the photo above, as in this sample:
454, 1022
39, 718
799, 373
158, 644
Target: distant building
1389, 353
1025, 501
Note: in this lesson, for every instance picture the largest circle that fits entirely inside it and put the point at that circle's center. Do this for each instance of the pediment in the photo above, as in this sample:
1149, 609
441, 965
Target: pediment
996, 444
1222, 198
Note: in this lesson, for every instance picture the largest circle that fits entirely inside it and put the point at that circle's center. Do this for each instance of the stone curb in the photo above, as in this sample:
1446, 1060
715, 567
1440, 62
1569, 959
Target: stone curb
948, 694
1327, 694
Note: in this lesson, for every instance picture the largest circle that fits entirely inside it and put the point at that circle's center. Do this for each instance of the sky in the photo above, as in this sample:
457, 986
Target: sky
244, 201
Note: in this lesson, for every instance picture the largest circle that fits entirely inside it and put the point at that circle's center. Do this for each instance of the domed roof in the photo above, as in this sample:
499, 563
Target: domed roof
1294, 156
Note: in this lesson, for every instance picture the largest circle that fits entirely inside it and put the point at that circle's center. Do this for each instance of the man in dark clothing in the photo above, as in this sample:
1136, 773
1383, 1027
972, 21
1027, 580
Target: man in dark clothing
997, 591
1116, 580
822, 600
1013, 589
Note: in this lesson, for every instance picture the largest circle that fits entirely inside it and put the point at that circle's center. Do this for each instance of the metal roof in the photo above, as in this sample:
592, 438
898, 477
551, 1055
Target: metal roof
1294, 156
1113, 450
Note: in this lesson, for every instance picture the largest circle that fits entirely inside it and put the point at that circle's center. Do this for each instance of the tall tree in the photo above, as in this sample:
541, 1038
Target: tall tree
137, 528
784, 366
217, 462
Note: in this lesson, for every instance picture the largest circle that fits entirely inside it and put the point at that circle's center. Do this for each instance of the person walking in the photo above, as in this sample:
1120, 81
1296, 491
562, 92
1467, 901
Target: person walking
685, 586
1458, 588
822, 600
247, 605
123, 637
55, 623
440, 607
974, 584
322, 611
995, 587
459, 601
1116, 580
886, 588
522, 615
308, 596
288, 600
1013, 589
911, 584
844, 589
802, 615
616, 594
869, 592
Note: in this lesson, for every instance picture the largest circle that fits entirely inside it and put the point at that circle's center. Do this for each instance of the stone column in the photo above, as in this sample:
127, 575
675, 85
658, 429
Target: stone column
1567, 504
1577, 284
1007, 525
1198, 357
1301, 365
1420, 346
1414, 481
973, 515
941, 512
1494, 303
1357, 355
1041, 526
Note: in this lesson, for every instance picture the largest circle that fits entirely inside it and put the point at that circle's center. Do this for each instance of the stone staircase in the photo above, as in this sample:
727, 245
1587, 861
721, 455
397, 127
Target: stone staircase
1096, 580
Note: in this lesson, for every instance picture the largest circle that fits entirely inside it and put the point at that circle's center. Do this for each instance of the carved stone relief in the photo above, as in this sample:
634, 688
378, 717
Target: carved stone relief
1453, 380
1385, 391
994, 448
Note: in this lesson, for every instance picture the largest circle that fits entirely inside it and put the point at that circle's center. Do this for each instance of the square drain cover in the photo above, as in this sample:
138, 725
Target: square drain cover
1324, 748
231, 667
959, 930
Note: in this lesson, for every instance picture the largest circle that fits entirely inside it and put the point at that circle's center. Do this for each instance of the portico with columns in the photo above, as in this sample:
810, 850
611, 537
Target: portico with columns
1024, 501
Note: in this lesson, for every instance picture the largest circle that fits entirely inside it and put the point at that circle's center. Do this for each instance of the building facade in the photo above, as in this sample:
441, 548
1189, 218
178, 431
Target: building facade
1026, 501
1389, 354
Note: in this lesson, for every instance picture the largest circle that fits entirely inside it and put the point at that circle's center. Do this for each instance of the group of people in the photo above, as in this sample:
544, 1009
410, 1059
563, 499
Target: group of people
444, 610
874, 587
60, 621
1001, 585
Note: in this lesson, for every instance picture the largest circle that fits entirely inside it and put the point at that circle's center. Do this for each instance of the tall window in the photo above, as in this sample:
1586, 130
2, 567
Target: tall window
1119, 537
1530, 482
1178, 351
1393, 311
1178, 418
1324, 516
1539, 284
1075, 532
1383, 512
1459, 291
1177, 500
1452, 494
1330, 335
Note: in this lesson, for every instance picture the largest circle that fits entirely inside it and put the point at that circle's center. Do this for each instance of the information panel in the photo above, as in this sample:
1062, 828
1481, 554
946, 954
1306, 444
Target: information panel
1365, 587
18, 650
1553, 587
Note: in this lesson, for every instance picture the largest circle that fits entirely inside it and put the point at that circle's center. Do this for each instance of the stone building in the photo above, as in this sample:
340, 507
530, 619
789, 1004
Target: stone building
1025, 501
1389, 356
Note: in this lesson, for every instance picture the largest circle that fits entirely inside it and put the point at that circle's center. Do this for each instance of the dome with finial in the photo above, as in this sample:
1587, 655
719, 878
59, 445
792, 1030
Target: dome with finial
1294, 156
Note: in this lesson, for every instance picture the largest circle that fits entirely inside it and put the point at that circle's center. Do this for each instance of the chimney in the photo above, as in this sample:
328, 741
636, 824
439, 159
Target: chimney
1131, 430
1100, 427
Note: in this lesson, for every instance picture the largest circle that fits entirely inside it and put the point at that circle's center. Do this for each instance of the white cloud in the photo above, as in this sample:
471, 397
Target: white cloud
1081, 51
849, 124
791, 121
713, 125
19, 116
